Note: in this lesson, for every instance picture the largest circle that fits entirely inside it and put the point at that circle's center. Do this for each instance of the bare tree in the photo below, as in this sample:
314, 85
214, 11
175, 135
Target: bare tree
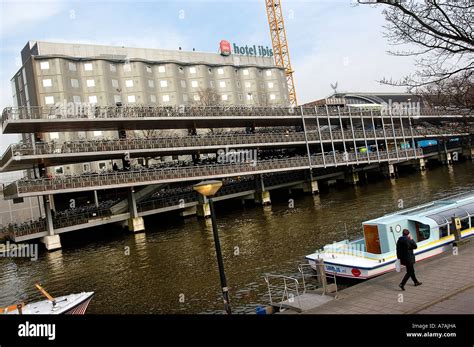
208, 97
441, 32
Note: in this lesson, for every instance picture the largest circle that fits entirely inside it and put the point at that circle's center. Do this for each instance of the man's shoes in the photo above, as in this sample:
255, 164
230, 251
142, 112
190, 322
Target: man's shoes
402, 287
418, 284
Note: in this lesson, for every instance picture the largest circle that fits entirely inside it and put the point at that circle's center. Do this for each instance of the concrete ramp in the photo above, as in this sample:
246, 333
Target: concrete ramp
144, 193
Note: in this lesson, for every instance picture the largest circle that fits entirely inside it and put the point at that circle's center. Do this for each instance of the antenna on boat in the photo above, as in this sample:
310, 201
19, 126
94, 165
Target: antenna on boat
345, 230
45, 293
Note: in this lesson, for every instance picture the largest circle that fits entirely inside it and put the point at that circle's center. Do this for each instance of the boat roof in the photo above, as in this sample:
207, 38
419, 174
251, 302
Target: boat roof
441, 211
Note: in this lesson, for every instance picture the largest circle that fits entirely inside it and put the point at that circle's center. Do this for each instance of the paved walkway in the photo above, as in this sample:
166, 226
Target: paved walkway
448, 287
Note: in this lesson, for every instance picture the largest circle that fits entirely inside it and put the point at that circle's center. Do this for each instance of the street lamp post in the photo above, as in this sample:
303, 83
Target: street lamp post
209, 189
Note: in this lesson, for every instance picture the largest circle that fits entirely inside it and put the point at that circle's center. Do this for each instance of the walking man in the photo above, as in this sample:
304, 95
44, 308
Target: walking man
405, 247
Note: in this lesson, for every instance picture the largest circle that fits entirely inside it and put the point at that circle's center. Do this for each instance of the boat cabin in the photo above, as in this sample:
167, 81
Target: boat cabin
426, 223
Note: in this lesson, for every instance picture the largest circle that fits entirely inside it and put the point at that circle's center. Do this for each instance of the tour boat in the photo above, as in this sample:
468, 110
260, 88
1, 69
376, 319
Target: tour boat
68, 304
432, 226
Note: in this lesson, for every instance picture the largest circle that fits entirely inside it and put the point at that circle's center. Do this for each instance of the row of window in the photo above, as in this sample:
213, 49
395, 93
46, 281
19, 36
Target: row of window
47, 82
127, 67
92, 99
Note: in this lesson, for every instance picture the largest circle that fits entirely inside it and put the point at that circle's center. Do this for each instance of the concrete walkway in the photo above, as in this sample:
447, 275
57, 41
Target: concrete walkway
448, 287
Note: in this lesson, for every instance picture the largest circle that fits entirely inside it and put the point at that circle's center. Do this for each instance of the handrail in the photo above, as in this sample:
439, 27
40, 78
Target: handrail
226, 140
93, 111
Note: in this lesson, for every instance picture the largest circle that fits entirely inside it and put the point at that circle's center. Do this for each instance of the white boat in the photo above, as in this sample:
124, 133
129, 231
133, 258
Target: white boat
431, 225
68, 304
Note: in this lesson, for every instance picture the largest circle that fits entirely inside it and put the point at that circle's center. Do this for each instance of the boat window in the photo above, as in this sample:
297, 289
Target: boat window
422, 232
443, 231
472, 222
464, 224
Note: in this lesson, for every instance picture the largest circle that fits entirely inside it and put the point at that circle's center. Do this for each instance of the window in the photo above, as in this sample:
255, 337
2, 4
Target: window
220, 71
88, 67
90, 83
443, 231
268, 73
74, 83
113, 68
102, 165
161, 69
166, 98
272, 97
49, 100
240, 97
153, 98
196, 97
47, 83
270, 85
245, 72
117, 98
59, 170
222, 84
148, 69
224, 97
54, 136
115, 83
97, 133
127, 67
183, 84
86, 167
93, 99
44, 65
131, 98
238, 84
129, 83
192, 70
249, 96
151, 83
76, 99
72, 67
163, 84
185, 97
248, 85
194, 84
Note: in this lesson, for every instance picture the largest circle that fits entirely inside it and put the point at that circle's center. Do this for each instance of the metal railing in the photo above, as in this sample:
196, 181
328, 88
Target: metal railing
144, 176
128, 111
223, 140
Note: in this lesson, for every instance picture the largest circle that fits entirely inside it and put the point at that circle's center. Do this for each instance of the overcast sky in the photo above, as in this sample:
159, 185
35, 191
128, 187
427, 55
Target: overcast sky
329, 40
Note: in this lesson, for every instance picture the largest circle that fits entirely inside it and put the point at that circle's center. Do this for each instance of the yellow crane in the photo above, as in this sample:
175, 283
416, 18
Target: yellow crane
280, 44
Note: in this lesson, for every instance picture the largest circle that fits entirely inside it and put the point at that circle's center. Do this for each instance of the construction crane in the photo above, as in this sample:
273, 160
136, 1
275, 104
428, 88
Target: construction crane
280, 44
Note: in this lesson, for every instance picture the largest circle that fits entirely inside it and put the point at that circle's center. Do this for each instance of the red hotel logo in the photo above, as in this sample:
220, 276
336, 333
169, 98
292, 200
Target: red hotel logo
225, 48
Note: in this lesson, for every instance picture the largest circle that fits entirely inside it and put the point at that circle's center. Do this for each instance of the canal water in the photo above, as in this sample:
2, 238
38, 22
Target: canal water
172, 267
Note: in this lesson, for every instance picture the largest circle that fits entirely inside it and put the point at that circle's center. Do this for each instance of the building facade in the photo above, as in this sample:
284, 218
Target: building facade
58, 75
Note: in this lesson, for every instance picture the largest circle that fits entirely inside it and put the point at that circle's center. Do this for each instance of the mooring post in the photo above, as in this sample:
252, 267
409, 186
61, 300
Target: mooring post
321, 271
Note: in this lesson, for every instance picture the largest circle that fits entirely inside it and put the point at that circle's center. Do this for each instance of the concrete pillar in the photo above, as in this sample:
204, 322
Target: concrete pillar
51, 241
135, 223
96, 199
311, 187
261, 195
203, 208
422, 164
263, 198
392, 171
351, 177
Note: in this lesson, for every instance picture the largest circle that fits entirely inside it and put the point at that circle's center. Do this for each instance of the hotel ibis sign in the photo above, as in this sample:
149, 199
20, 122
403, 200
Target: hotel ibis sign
251, 51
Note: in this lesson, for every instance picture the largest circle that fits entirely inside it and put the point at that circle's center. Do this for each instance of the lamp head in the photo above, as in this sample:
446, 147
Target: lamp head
208, 188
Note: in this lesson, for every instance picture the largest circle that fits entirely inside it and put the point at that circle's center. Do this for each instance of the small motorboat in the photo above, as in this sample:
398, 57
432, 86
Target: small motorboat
433, 227
68, 304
